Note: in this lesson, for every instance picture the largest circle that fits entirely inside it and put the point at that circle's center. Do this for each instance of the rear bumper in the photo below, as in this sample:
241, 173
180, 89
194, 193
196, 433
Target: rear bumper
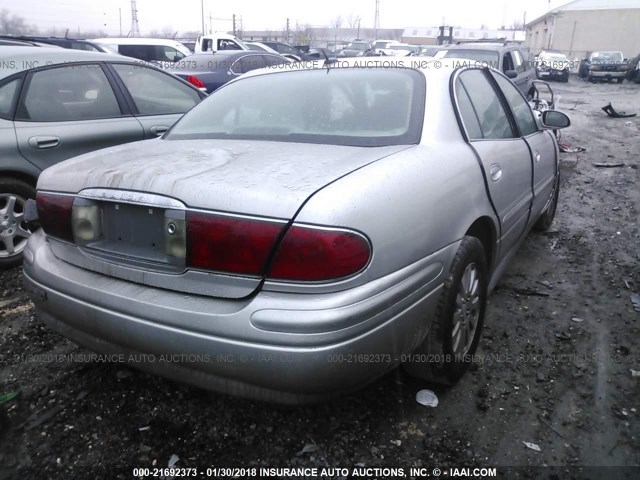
607, 74
253, 347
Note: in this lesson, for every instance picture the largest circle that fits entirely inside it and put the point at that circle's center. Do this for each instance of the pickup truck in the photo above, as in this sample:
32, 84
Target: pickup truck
218, 41
603, 66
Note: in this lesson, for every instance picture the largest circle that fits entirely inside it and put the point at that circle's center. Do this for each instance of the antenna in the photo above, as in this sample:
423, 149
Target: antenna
135, 28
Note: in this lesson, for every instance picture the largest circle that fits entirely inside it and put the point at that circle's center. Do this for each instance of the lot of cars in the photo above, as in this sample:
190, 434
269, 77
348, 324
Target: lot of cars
209, 72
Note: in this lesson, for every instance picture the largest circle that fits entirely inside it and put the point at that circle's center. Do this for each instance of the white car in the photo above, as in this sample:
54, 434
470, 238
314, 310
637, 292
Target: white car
401, 50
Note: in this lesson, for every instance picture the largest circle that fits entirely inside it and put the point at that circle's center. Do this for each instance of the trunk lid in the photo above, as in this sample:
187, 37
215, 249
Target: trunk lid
248, 178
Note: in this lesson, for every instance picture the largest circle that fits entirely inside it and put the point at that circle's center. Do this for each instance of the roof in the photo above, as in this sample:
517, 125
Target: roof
135, 41
590, 5
17, 59
599, 5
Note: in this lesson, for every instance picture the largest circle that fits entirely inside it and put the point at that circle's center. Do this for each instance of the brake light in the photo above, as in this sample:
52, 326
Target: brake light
196, 82
54, 212
319, 254
230, 244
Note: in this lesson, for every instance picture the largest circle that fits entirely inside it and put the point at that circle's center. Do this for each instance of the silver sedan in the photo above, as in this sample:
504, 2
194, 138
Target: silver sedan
294, 245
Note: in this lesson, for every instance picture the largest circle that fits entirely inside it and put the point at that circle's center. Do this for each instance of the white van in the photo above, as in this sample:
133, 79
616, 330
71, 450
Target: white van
158, 50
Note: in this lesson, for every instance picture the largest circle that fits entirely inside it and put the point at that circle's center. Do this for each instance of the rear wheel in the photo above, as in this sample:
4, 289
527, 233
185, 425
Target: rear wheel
619, 80
446, 352
13, 229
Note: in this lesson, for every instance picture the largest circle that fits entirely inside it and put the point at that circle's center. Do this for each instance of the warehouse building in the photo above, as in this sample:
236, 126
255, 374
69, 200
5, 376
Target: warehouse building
584, 26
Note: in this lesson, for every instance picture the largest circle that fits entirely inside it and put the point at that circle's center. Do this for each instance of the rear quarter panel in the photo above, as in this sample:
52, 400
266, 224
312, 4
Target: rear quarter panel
410, 205
416, 202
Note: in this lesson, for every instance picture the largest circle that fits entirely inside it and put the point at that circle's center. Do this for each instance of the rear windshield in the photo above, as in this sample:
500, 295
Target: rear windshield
340, 106
486, 56
607, 57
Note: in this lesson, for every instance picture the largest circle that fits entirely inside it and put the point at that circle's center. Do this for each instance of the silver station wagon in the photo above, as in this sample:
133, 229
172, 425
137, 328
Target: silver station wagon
300, 233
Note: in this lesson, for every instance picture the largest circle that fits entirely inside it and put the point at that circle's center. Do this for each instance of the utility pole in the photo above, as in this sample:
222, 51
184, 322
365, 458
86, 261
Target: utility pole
376, 21
287, 30
120, 15
202, 13
234, 24
210, 23
135, 27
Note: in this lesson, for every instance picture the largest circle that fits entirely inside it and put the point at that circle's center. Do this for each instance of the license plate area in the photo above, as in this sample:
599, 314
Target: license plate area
136, 232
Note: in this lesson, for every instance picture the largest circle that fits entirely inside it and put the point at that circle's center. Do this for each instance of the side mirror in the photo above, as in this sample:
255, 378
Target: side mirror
554, 119
511, 73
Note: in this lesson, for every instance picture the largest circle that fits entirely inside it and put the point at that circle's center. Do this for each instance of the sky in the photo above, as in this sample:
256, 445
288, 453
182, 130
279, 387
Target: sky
185, 15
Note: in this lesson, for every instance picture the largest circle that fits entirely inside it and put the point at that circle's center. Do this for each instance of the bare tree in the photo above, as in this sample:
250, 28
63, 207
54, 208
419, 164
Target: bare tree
336, 24
14, 24
353, 20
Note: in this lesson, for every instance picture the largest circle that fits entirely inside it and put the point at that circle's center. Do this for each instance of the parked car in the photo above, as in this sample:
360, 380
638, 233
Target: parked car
10, 41
57, 103
287, 51
357, 48
293, 245
218, 41
510, 59
551, 65
401, 50
260, 46
380, 45
317, 53
430, 51
71, 43
209, 72
160, 51
604, 66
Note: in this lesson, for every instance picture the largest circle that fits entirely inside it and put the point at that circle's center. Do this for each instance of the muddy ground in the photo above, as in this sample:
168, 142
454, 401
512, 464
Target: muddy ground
554, 367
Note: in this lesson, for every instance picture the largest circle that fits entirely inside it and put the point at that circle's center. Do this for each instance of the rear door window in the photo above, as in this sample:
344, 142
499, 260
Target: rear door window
74, 92
7, 95
494, 123
156, 92
143, 52
521, 109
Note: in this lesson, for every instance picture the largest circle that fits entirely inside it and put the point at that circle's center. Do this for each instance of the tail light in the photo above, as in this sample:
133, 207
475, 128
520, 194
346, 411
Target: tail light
230, 244
54, 212
244, 245
86, 220
196, 82
319, 254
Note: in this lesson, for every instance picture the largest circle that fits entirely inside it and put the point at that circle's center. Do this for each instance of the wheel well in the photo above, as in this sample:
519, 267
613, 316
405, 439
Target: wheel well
20, 176
484, 231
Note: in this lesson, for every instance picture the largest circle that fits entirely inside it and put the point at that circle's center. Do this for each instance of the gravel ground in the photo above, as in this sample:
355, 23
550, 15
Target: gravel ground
555, 365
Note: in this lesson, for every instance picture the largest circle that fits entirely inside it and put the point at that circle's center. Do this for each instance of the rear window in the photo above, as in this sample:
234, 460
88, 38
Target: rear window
607, 57
355, 106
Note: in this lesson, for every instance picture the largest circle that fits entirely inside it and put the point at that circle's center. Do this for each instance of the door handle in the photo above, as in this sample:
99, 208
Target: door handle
537, 155
44, 142
496, 172
158, 130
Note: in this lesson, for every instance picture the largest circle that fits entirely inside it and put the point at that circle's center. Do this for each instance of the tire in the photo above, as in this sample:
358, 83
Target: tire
443, 357
546, 219
13, 232
590, 79
619, 80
